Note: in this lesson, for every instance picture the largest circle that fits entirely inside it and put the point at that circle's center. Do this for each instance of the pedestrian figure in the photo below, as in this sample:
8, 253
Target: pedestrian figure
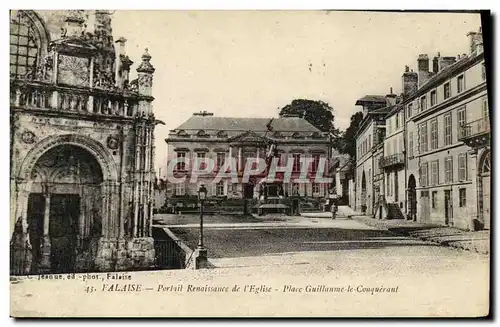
334, 209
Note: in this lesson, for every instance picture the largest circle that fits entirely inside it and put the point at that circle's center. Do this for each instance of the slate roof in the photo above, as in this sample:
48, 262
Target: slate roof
285, 124
383, 110
371, 98
451, 70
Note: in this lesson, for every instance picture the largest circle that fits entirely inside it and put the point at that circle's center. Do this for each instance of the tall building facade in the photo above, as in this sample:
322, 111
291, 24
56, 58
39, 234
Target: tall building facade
448, 158
436, 157
81, 142
375, 107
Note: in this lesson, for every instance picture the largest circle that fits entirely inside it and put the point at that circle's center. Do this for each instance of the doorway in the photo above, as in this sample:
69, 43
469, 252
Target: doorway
248, 190
484, 189
363, 193
396, 187
412, 198
447, 207
63, 231
36, 210
424, 206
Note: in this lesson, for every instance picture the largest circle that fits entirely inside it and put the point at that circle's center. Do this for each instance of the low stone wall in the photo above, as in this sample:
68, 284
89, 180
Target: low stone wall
118, 254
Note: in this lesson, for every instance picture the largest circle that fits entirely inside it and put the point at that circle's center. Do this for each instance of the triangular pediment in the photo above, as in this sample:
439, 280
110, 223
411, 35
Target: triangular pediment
250, 137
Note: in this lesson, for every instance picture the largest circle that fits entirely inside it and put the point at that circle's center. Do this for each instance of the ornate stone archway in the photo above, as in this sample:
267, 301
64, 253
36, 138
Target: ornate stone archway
484, 189
102, 155
31, 179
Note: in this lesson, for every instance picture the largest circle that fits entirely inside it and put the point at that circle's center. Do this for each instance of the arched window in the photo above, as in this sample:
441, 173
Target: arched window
25, 42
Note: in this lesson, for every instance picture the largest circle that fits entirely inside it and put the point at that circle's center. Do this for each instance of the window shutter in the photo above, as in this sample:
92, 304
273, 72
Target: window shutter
225, 187
214, 189
466, 169
283, 159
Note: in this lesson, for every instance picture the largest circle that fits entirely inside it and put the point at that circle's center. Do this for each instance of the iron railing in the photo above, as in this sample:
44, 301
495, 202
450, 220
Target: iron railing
170, 255
474, 128
392, 160
20, 263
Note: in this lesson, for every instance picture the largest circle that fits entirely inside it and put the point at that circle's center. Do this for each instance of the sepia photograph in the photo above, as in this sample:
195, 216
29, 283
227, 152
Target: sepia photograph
250, 163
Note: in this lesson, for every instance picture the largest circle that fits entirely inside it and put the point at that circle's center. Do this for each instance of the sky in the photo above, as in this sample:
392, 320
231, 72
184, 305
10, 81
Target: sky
251, 63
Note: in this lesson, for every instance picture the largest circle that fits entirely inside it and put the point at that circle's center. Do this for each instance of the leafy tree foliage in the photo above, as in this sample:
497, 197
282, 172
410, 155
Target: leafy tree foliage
348, 143
318, 113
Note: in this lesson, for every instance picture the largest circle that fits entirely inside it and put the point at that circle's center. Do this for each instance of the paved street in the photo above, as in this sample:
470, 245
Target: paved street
431, 280
317, 241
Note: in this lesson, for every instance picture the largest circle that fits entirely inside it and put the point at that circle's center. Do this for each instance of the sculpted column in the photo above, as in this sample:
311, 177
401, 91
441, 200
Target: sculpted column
104, 208
46, 245
20, 243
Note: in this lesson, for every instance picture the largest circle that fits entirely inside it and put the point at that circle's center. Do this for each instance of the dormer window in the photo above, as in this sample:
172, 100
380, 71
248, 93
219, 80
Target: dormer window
460, 83
433, 98
277, 135
423, 103
409, 111
182, 133
447, 90
222, 134
316, 135
202, 133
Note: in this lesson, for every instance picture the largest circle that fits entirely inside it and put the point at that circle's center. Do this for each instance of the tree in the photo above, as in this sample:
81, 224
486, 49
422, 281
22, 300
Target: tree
317, 112
348, 142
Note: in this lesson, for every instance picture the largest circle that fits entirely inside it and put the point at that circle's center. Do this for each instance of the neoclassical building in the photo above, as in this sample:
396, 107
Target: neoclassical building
219, 138
81, 143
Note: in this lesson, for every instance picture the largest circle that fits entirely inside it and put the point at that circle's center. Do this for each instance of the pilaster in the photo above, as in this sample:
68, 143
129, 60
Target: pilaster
473, 176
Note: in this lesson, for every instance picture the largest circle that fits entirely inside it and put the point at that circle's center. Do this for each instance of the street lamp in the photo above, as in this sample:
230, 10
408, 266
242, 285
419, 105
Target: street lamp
201, 259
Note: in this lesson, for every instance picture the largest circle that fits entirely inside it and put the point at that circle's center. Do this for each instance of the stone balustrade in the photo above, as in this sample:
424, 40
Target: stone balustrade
35, 95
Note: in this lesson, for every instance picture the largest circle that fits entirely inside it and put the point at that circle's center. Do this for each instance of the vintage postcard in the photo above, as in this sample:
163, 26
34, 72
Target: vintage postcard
307, 163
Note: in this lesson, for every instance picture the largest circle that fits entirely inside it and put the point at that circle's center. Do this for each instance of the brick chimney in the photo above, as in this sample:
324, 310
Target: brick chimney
435, 63
475, 42
390, 98
409, 81
446, 61
423, 68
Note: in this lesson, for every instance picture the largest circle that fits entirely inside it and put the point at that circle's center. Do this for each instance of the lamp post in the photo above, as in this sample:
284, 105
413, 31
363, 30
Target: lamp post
201, 258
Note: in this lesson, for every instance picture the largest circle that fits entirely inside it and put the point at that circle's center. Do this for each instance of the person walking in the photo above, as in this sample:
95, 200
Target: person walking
333, 208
